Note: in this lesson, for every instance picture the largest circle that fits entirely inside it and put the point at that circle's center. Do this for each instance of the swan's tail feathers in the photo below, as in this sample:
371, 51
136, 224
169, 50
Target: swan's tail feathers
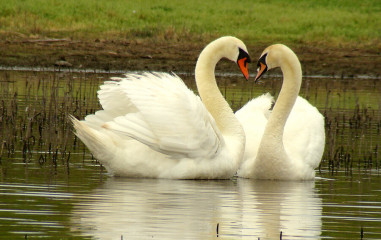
259, 105
93, 140
265, 101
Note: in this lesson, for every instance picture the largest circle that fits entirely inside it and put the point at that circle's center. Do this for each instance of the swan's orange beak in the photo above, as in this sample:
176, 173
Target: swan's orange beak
242, 63
262, 68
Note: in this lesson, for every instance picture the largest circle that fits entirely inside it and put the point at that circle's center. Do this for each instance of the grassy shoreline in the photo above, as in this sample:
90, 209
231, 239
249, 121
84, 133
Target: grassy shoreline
332, 23
330, 37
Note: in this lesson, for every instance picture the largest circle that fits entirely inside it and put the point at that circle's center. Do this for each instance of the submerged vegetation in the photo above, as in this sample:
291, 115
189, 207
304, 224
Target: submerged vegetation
34, 111
34, 115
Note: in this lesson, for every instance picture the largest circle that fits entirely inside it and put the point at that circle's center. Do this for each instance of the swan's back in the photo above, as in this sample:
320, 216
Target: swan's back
304, 134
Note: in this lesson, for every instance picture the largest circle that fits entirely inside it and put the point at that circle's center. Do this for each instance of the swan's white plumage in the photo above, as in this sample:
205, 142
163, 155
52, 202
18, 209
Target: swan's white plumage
304, 136
303, 140
170, 118
253, 117
153, 126
162, 113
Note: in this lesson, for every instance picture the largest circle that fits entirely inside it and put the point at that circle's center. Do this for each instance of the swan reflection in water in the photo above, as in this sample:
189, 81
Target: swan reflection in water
269, 207
168, 209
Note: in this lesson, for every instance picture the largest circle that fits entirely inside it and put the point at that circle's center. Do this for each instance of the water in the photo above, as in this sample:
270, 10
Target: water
89, 204
50, 187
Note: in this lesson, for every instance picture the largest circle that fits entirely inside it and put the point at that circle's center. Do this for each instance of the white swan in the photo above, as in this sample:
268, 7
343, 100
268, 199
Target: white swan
153, 126
286, 143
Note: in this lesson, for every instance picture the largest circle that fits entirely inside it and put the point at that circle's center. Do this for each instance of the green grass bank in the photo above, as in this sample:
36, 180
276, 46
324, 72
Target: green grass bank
333, 23
341, 38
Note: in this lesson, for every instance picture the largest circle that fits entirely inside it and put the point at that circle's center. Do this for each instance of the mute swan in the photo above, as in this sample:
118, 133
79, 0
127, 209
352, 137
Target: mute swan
153, 126
286, 143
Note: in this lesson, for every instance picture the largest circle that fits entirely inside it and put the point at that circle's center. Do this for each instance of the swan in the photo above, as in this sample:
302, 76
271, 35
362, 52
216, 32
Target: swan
286, 143
153, 126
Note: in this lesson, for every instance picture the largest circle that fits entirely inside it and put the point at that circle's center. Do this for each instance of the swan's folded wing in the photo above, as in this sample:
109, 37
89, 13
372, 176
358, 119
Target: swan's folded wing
170, 118
304, 134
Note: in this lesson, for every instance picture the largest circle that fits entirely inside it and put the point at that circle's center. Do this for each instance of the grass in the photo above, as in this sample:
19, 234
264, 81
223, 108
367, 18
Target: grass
348, 22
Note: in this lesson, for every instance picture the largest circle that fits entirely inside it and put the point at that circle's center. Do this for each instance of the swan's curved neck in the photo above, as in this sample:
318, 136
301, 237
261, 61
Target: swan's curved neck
210, 93
292, 79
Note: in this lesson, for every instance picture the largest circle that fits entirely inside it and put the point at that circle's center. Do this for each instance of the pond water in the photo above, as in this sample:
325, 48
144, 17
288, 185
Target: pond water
50, 187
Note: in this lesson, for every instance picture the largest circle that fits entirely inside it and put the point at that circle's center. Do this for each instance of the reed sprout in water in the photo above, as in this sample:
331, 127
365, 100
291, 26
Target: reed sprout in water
34, 113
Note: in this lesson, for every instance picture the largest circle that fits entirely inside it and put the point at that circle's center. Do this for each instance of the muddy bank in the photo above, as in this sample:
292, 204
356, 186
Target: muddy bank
170, 56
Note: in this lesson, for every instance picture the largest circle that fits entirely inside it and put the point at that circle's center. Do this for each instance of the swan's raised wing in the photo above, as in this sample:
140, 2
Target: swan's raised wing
115, 103
113, 98
170, 118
